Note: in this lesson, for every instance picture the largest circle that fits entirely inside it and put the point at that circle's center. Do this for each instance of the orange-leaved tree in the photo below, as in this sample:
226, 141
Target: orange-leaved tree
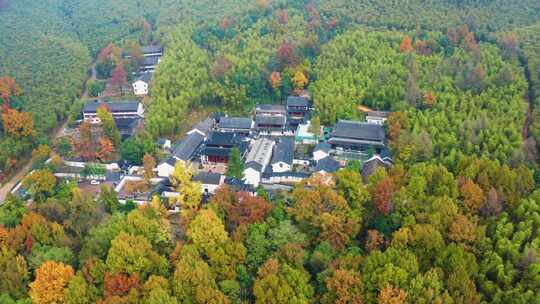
8, 88
51, 280
18, 124
406, 45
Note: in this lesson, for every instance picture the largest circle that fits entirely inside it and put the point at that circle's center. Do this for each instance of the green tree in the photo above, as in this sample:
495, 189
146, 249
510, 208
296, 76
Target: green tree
235, 166
315, 126
157, 290
133, 254
79, 291
132, 151
40, 183
194, 281
14, 274
41, 254
280, 283
108, 198
208, 235
11, 211
109, 125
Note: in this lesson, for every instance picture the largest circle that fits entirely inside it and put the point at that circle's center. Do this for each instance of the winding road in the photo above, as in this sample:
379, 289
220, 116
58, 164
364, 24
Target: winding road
6, 188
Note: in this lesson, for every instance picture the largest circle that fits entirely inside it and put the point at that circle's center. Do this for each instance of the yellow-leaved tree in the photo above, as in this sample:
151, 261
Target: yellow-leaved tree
300, 80
190, 191
51, 279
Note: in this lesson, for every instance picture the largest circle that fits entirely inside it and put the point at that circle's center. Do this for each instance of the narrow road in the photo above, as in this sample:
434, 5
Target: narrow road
6, 188
93, 76
529, 98
21, 173
529, 117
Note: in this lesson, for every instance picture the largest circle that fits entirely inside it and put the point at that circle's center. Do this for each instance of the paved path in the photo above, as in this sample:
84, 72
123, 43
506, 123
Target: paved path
93, 76
6, 188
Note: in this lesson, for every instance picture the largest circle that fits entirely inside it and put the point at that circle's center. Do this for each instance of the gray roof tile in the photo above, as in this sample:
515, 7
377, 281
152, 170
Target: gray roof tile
358, 130
186, 149
328, 165
113, 106
235, 123
284, 151
208, 178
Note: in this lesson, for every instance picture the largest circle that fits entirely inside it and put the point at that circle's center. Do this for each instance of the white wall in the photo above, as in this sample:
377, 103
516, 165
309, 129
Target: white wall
252, 177
165, 170
140, 87
283, 180
375, 120
301, 162
281, 167
318, 155
211, 189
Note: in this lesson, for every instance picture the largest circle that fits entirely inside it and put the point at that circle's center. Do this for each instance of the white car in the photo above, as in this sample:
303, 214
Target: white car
95, 182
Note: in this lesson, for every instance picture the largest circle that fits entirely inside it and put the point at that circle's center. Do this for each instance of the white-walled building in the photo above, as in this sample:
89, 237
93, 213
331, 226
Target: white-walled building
142, 85
377, 117
118, 109
283, 156
166, 168
322, 150
210, 182
257, 159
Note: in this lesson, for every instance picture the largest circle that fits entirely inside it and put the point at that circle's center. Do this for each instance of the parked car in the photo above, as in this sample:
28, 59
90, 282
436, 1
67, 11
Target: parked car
95, 182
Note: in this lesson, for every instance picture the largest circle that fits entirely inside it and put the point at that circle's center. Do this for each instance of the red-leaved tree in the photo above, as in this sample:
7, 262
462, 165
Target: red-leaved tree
241, 207
382, 195
119, 77
287, 56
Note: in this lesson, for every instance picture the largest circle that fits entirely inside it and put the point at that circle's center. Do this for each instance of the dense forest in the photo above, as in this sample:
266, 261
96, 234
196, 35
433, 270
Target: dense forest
455, 220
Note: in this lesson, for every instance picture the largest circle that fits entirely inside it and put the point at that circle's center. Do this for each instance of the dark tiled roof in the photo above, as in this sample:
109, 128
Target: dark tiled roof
323, 146
150, 49
188, 146
126, 123
270, 108
254, 165
266, 120
270, 174
369, 167
171, 161
150, 61
235, 123
113, 106
385, 153
111, 176
296, 101
284, 151
208, 178
212, 151
221, 139
358, 130
217, 151
239, 185
204, 126
162, 186
327, 164
146, 77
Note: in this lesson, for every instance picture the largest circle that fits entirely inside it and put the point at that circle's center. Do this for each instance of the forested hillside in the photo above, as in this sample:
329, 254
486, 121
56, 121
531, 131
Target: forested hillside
47, 48
455, 219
